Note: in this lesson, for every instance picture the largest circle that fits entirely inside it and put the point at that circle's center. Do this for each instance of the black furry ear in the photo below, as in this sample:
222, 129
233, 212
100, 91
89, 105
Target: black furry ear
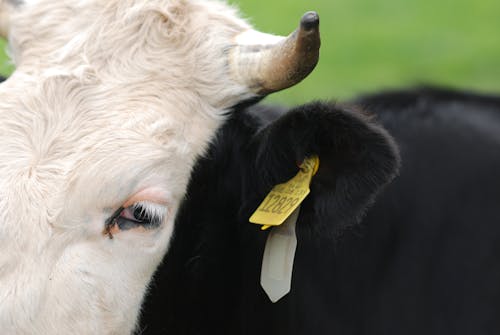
357, 158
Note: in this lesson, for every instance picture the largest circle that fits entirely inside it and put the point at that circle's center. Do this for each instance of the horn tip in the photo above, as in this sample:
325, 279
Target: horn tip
309, 21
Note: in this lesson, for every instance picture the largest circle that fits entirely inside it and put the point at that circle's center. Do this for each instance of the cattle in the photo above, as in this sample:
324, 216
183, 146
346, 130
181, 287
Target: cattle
422, 257
101, 123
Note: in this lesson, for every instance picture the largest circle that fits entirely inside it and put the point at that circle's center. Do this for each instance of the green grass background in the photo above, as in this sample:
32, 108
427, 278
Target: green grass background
369, 45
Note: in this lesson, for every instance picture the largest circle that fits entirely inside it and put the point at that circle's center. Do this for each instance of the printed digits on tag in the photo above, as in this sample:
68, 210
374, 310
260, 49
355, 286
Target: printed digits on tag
292, 202
278, 207
267, 204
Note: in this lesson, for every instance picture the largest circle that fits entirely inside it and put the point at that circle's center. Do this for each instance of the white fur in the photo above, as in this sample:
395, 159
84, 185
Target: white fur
110, 97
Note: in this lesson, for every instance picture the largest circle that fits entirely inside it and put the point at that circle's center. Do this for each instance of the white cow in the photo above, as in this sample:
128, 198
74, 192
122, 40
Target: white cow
110, 104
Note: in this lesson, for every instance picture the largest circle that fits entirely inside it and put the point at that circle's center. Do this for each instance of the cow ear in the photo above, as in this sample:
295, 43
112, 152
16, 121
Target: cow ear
357, 159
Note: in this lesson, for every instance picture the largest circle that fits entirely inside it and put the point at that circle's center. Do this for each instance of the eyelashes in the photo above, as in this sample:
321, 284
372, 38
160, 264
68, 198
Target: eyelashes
147, 215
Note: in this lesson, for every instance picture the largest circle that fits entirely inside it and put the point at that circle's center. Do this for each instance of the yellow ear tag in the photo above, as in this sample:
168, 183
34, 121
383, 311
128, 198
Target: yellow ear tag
284, 198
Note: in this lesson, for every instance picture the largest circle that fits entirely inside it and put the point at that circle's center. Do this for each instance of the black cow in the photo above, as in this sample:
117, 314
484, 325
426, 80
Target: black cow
423, 259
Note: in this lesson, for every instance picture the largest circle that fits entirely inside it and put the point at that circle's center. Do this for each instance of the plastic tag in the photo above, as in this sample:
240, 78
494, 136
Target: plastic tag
279, 254
284, 198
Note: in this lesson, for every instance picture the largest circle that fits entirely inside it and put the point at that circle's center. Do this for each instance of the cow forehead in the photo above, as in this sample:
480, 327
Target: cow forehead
175, 44
65, 140
108, 101
76, 32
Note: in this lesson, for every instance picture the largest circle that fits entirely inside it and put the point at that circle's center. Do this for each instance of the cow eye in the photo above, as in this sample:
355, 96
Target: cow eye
141, 214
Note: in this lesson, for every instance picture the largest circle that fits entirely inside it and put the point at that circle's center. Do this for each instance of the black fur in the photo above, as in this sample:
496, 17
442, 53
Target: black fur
209, 282
428, 261
424, 260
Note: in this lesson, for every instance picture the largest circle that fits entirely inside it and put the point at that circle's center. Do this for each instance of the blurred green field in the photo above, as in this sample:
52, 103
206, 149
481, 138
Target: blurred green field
5, 66
376, 44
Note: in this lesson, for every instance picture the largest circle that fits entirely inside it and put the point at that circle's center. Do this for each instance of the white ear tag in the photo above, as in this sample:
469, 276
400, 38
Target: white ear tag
279, 254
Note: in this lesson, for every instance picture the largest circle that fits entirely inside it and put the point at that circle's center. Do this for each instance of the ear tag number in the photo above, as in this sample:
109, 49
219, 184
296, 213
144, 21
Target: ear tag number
284, 198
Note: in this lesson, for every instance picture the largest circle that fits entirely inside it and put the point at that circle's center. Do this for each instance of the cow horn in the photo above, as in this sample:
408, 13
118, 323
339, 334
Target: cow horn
267, 63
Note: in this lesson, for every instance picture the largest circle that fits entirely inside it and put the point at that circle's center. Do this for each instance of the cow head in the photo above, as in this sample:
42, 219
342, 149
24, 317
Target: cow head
110, 105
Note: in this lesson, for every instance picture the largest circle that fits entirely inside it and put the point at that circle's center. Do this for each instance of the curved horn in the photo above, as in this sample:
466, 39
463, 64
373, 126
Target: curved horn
267, 63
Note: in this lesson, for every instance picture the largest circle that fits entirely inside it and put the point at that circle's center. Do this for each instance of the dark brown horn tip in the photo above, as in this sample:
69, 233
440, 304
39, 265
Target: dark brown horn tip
309, 21
279, 65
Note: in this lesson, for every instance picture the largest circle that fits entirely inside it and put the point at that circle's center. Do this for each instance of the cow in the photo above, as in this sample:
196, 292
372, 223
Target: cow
101, 123
422, 257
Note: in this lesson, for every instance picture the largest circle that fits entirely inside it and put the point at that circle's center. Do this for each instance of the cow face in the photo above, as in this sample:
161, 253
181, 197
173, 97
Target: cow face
110, 105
